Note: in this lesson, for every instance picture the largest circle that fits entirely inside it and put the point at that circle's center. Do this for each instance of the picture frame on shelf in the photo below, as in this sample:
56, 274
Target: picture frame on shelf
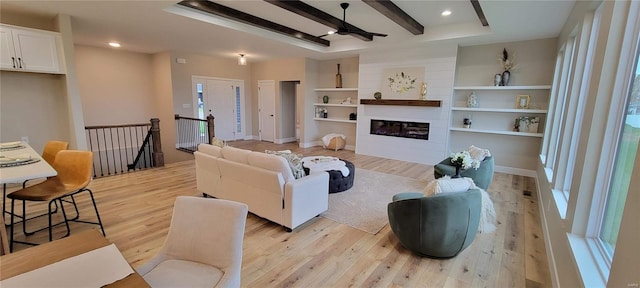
522, 101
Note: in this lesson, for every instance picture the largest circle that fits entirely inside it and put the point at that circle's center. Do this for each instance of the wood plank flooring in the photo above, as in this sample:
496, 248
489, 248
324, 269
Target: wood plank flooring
136, 210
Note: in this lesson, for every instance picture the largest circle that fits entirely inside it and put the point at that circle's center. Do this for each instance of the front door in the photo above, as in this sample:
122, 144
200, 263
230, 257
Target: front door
224, 99
267, 109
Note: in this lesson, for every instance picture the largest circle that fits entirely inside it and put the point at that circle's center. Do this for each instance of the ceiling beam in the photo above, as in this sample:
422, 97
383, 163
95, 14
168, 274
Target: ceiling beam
393, 12
230, 13
479, 12
315, 14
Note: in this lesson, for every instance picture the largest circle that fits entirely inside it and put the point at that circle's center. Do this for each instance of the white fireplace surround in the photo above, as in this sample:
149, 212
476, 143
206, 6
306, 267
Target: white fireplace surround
439, 64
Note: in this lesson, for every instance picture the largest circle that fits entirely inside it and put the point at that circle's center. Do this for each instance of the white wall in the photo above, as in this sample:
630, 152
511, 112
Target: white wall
116, 86
439, 62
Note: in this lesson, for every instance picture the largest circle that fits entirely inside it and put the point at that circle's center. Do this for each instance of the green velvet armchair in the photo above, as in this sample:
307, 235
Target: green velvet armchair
438, 226
482, 176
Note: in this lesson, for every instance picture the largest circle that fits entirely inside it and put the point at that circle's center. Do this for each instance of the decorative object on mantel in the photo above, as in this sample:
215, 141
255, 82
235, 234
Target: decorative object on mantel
472, 100
353, 116
346, 101
462, 161
423, 91
377, 95
338, 78
497, 80
400, 83
522, 101
325, 99
507, 64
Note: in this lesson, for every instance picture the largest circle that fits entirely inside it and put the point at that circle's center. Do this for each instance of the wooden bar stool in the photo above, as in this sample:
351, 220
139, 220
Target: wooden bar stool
74, 174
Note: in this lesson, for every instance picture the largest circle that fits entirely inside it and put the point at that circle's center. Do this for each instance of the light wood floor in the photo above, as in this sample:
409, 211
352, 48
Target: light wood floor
136, 210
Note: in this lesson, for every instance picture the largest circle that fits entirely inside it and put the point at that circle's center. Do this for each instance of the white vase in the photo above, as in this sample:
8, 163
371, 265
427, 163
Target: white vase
472, 100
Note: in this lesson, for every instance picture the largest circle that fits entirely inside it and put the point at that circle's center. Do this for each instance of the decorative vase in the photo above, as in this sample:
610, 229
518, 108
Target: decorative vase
338, 78
423, 91
458, 170
472, 100
325, 99
377, 95
497, 80
505, 78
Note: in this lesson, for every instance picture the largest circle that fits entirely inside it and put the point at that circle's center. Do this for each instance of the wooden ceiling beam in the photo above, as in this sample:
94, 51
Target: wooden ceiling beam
315, 14
393, 12
479, 12
230, 13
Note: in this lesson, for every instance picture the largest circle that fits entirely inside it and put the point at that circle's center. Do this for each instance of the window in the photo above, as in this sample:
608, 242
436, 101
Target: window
623, 167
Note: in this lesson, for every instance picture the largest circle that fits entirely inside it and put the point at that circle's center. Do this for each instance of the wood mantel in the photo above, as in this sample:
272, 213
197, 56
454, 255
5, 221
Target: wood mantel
401, 102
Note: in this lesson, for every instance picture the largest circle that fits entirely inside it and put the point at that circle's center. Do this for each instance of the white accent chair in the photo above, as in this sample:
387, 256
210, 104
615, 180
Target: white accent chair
203, 247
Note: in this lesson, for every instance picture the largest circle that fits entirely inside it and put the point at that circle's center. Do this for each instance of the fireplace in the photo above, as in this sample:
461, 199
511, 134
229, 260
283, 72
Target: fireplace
413, 130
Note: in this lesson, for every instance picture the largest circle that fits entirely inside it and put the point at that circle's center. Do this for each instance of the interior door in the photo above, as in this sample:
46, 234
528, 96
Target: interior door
267, 109
220, 102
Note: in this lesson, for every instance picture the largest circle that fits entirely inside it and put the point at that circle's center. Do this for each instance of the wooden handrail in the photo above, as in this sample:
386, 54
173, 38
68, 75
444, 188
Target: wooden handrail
116, 126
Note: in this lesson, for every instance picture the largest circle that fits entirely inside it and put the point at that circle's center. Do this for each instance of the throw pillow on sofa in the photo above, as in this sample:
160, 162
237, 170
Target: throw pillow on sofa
449, 185
477, 153
294, 160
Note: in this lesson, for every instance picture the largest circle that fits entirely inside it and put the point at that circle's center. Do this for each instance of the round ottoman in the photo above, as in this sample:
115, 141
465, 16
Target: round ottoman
339, 183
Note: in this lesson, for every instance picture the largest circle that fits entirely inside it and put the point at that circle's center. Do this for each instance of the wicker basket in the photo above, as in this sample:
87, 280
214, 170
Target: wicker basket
336, 143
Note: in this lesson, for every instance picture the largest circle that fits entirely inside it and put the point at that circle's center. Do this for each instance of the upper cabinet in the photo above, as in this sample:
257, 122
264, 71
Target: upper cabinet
29, 50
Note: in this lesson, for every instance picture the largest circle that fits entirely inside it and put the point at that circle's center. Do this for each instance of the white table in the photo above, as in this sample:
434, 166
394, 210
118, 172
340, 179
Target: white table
21, 173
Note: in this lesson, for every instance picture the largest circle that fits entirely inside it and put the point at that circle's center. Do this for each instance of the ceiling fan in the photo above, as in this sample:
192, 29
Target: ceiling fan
344, 28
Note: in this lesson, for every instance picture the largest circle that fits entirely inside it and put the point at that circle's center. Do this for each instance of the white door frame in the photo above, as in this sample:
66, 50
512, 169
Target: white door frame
236, 83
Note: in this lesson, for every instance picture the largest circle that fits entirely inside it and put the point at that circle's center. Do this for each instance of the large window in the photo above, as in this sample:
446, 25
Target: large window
623, 167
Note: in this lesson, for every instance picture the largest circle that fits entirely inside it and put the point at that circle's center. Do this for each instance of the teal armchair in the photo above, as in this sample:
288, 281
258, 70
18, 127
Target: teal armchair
482, 176
439, 226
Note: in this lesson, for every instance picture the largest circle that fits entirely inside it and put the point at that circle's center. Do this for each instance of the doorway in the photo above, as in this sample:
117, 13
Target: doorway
224, 99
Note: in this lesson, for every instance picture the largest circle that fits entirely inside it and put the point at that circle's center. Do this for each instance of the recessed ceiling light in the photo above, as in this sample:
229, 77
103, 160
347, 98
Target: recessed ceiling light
446, 13
114, 44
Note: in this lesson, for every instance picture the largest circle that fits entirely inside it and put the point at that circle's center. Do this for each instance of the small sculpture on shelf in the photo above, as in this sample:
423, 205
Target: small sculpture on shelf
472, 100
325, 99
377, 95
466, 122
346, 101
423, 91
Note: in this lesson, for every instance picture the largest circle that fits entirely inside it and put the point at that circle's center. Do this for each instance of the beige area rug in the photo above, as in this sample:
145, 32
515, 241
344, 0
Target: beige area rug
364, 206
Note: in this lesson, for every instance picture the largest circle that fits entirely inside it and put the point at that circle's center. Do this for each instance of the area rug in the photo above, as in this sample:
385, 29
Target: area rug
364, 206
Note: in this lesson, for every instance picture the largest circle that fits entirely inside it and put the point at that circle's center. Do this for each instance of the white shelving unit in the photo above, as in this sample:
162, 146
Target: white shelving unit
496, 113
336, 111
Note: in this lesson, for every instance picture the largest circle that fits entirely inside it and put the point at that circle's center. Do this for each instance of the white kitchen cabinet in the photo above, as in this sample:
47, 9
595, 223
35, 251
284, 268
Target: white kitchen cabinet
29, 50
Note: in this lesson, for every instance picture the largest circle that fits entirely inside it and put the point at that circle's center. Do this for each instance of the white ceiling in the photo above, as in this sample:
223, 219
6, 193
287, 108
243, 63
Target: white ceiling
157, 26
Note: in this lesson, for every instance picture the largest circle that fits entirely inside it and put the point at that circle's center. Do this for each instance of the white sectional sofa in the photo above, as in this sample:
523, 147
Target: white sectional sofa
262, 181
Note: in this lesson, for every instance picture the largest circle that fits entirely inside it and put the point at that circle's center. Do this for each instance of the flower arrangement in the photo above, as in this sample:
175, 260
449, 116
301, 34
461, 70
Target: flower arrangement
507, 63
463, 160
402, 83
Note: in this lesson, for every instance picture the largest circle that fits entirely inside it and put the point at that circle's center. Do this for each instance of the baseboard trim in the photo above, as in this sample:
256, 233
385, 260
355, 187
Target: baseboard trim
516, 171
285, 140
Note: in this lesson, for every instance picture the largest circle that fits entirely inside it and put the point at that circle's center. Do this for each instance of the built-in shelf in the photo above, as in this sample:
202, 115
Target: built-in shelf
513, 133
501, 110
335, 89
527, 87
334, 105
401, 102
335, 120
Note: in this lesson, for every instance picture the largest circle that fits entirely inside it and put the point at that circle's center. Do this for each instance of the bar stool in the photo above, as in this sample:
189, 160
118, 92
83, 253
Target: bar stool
74, 174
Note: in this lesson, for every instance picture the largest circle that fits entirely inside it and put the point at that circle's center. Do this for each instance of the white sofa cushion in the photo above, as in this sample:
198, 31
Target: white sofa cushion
235, 154
271, 162
210, 149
